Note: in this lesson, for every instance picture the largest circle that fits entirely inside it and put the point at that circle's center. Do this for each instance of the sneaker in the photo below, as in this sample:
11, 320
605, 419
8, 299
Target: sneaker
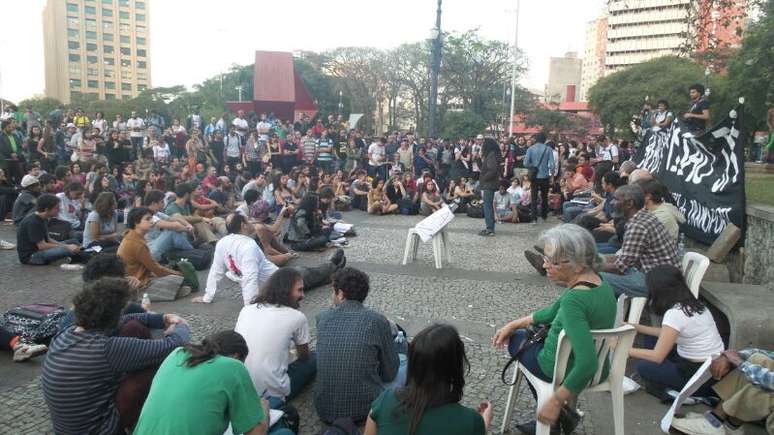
536, 260
339, 259
530, 428
486, 233
697, 426
61, 261
71, 267
24, 351
6, 246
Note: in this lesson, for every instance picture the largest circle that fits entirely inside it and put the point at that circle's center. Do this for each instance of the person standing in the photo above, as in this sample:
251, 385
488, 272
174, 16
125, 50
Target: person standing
136, 127
698, 116
539, 160
489, 182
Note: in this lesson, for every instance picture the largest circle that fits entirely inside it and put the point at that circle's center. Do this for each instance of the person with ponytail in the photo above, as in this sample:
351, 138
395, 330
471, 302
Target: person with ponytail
429, 403
201, 389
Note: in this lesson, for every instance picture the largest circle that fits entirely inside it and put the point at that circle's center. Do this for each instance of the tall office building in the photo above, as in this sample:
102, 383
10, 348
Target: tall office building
593, 55
98, 48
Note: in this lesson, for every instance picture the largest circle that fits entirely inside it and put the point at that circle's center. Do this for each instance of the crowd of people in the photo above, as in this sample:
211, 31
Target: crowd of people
256, 192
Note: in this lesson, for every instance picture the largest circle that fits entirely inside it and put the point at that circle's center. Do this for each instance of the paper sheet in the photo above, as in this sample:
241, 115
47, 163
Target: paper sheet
701, 376
430, 225
274, 416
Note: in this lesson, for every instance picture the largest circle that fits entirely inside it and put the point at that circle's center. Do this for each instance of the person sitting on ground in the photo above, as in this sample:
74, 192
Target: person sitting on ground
378, 201
505, 210
25, 202
204, 227
656, 197
746, 389
431, 199
359, 190
159, 282
93, 380
646, 244
239, 257
270, 325
101, 224
687, 336
71, 207
255, 207
22, 350
33, 244
357, 355
571, 259
267, 236
166, 234
463, 191
429, 403
307, 231
201, 389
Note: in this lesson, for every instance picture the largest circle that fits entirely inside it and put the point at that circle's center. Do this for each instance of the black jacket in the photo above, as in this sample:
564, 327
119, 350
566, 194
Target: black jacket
489, 179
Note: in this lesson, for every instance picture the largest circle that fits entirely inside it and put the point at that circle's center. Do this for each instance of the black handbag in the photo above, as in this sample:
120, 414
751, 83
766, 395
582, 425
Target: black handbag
535, 334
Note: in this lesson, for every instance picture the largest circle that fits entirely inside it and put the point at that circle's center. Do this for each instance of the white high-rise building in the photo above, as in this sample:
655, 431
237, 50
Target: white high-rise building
593, 55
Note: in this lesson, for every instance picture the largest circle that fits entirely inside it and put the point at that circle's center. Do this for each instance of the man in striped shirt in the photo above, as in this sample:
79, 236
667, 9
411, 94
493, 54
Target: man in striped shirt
309, 147
88, 376
325, 153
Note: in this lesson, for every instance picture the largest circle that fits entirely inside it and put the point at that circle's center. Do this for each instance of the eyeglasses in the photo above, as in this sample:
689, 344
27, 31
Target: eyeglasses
553, 263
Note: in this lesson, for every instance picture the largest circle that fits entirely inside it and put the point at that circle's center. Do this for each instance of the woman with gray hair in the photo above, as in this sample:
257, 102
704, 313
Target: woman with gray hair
571, 260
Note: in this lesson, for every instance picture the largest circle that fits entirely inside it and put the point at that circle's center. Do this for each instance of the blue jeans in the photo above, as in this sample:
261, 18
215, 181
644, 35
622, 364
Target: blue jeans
528, 359
44, 257
632, 282
167, 241
607, 248
673, 373
488, 199
570, 211
301, 372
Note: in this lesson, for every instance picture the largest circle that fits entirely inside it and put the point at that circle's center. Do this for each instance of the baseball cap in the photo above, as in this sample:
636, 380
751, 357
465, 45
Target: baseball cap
29, 180
71, 125
480, 136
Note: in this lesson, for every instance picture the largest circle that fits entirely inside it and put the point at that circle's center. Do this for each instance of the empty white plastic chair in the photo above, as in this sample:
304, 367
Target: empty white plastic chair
634, 312
694, 267
440, 247
611, 345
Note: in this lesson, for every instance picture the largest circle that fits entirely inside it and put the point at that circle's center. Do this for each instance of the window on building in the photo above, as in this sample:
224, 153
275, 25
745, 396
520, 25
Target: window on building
126, 51
139, 5
92, 59
90, 46
75, 69
109, 74
107, 2
141, 64
108, 49
124, 15
110, 96
126, 86
124, 29
126, 63
109, 61
107, 37
126, 74
74, 57
107, 12
75, 83
140, 30
92, 83
92, 72
141, 88
107, 26
91, 24
73, 22
141, 52
72, 33
73, 45
139, 17
91, 34
90, 10
71, 7
125, 39
140, 40
110, 85
123, 2
142, 76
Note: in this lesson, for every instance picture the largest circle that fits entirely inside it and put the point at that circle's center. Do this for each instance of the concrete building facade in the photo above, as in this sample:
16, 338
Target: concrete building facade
96, 48
593, 55
563, 73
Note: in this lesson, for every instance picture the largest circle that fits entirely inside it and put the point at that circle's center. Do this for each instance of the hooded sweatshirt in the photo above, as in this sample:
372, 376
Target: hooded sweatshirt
671, 217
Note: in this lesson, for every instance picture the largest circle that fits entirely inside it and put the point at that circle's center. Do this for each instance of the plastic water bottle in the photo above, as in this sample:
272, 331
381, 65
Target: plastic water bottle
681, 246
146, 303
400, 337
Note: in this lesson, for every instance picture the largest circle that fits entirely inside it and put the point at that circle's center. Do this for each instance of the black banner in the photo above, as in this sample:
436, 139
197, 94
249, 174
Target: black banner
705, 173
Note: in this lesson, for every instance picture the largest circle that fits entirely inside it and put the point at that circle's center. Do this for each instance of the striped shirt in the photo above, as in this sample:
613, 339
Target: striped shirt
309, 148
324, 156
83, 371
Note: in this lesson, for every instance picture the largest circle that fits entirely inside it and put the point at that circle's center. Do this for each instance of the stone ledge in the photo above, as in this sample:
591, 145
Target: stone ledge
761, 211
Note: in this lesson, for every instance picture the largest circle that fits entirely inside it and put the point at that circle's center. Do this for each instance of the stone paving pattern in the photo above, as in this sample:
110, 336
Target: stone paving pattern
488, 283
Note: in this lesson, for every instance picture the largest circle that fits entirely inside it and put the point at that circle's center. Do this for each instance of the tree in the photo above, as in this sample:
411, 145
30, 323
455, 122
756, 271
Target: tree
463, 124
358, 71
615, 98
552, 121
752, 70
43, 106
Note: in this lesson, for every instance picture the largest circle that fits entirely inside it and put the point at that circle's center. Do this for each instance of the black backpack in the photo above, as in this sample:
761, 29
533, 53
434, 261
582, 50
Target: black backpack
200, 258
341, 426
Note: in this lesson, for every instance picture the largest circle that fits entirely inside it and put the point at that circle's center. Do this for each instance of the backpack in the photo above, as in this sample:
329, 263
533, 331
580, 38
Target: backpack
475, 210
35, 323
341, 426
200, 258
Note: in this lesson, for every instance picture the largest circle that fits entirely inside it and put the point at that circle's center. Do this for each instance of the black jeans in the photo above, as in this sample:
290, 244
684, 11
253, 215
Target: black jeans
318, 275
539, 184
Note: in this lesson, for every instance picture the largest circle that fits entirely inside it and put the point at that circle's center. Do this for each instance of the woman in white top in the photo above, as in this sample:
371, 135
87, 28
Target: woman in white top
662, 117
687, 336
161, 152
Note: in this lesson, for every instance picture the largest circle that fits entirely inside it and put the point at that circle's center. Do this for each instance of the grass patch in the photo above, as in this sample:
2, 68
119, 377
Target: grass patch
760, 188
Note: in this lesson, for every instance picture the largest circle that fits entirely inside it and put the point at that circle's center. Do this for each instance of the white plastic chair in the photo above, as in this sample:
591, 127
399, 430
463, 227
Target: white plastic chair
694, 267
636, 305
611, 345
440, 247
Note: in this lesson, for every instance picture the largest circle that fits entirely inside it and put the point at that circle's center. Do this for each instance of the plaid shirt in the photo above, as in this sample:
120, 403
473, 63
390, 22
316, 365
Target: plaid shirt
355, 355
758, 375
646, 244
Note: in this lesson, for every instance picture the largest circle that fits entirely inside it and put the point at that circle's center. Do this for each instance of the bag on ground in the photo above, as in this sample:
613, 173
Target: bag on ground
36, 323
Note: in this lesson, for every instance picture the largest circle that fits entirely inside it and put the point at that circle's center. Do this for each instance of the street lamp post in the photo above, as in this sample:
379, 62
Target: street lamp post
435, 66
513, 70
239, 89
341, 105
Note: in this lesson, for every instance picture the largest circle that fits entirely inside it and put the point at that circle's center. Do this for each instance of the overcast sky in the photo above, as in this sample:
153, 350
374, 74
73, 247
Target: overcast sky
195, 39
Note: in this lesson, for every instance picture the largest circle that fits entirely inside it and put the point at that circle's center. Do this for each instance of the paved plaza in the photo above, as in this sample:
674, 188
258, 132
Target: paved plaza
487, 284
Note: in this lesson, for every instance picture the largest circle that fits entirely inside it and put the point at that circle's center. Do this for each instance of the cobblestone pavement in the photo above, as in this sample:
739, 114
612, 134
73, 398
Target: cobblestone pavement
487, 284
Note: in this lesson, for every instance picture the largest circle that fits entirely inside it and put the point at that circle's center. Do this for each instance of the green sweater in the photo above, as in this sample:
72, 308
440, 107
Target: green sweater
577, 311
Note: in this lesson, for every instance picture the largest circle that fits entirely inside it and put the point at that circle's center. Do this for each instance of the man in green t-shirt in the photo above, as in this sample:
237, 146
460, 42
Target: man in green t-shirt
208, 230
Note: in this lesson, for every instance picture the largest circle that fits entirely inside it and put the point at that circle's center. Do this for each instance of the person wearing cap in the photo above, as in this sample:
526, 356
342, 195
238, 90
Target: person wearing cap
33, 244
25, 202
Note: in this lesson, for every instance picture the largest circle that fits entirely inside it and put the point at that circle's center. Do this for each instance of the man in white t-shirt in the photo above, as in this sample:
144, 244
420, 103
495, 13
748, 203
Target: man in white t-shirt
263, 128
241, 125
376, 160
136, 127
71, 205
279, 361
606, 151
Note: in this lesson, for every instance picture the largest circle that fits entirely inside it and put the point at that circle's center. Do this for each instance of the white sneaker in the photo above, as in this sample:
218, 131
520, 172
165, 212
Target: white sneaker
6, 246
697, 426
23, 352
